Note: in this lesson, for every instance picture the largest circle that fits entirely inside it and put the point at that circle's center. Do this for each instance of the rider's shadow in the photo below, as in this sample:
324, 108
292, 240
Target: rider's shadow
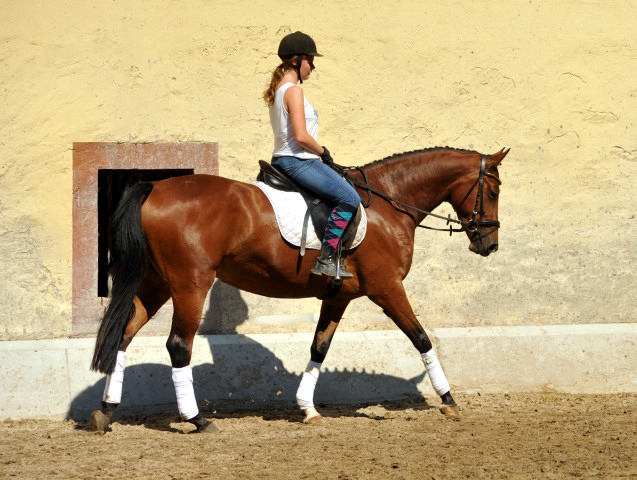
244, 375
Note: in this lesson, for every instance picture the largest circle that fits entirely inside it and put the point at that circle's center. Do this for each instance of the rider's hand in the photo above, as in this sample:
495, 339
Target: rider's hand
326, 157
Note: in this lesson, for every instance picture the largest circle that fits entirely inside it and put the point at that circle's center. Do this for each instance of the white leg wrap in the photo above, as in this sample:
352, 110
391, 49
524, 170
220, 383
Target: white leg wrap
305, 393
186, 402
115, 380
436, 375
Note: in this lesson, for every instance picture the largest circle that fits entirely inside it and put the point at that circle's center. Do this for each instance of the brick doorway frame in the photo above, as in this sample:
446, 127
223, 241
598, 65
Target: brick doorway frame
88, 159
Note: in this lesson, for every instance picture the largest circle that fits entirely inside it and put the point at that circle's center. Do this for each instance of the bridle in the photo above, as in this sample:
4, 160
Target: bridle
472, 226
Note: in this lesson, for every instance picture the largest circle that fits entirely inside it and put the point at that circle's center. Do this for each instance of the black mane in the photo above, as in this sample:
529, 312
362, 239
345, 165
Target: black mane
424, 150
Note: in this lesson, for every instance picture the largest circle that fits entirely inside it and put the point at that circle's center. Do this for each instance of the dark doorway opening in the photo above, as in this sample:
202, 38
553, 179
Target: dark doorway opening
111, 184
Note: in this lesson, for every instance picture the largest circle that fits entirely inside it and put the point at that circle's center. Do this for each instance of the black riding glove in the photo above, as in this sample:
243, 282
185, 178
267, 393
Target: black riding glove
326, 157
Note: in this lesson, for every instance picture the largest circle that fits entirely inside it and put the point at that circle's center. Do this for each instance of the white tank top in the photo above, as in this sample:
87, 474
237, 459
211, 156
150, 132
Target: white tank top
284, 141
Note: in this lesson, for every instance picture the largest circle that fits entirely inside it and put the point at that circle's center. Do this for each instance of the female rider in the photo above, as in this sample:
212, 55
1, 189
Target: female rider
296, 150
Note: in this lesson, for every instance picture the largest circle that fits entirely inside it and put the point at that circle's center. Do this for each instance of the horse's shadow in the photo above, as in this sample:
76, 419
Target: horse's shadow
246, 379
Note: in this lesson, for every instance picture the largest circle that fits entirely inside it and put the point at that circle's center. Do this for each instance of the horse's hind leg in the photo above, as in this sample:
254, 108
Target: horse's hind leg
152, 294
331, 313
395, 304
188, 306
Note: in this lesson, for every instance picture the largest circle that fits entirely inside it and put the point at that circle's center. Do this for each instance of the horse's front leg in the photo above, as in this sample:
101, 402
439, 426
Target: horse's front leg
331, 314
396, 306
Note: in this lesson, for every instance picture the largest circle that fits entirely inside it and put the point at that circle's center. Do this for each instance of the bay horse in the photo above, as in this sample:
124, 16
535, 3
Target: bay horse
173, 237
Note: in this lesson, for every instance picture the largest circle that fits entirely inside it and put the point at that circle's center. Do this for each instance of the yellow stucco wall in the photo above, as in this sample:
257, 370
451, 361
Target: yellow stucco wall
553, 80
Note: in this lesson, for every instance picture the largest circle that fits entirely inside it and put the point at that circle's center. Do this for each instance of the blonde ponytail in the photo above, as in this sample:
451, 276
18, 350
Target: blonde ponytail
277, 75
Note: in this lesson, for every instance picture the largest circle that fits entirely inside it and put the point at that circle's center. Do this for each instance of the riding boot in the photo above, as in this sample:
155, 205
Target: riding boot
326, 263
338, 222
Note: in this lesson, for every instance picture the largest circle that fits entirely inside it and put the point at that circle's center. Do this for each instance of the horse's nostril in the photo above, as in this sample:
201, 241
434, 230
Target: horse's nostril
493, 247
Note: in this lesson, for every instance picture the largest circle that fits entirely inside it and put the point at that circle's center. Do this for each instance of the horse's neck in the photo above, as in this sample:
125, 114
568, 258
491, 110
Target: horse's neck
421, 180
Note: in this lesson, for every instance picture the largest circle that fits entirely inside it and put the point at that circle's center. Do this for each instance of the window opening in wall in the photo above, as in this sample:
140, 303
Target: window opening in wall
111, 184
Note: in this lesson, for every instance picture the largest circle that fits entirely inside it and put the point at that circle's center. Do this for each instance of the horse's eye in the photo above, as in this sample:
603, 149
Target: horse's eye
493, 194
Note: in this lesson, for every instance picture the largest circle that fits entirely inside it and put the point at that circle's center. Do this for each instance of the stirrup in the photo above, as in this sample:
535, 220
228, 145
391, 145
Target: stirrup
329, 268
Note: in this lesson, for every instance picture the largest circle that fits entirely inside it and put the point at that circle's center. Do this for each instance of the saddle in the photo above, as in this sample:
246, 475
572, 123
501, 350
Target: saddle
317, 209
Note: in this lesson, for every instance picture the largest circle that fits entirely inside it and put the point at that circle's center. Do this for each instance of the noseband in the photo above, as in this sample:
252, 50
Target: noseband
472, 226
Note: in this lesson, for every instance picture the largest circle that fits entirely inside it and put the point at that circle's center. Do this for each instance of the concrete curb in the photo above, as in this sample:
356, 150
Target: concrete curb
51, 378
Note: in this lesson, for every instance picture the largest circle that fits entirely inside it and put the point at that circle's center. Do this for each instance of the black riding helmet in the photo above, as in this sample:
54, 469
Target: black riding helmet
297, 44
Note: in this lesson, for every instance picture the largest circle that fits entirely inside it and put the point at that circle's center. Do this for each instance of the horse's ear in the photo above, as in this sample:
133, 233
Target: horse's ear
496, 158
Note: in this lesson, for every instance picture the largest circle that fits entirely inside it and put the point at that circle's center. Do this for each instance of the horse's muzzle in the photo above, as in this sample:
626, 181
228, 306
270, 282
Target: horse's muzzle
483, 248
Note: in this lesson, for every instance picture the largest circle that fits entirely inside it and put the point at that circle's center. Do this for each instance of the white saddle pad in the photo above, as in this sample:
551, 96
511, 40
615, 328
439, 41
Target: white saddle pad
290, 208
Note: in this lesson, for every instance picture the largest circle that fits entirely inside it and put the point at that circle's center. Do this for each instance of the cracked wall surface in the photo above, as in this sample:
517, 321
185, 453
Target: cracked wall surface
554, 81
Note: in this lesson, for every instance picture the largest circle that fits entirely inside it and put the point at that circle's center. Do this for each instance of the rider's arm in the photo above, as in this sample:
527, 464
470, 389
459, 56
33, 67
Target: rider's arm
293, 100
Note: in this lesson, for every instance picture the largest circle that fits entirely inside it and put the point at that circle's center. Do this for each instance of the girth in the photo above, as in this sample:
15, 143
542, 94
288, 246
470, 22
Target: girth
317, 209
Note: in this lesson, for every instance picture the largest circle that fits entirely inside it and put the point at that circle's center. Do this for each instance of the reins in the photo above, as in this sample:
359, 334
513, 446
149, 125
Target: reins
471, 226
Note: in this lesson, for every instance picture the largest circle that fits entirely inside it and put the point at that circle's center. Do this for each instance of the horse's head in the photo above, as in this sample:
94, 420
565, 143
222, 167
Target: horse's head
475, 200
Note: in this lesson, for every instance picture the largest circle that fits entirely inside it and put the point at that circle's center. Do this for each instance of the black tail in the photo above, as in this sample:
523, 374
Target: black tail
129, 256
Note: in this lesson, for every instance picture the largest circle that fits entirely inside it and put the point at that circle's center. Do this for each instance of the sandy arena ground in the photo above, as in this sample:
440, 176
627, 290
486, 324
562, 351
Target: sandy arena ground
526, 436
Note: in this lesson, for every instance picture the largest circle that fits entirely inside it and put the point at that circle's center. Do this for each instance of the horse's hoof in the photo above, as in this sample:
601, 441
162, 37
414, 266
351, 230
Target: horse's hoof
315, 420
451, 411
210, 428
100, 421
312, 417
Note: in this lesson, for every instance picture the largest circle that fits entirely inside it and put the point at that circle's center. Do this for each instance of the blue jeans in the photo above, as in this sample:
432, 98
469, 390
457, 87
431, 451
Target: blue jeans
318, 178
